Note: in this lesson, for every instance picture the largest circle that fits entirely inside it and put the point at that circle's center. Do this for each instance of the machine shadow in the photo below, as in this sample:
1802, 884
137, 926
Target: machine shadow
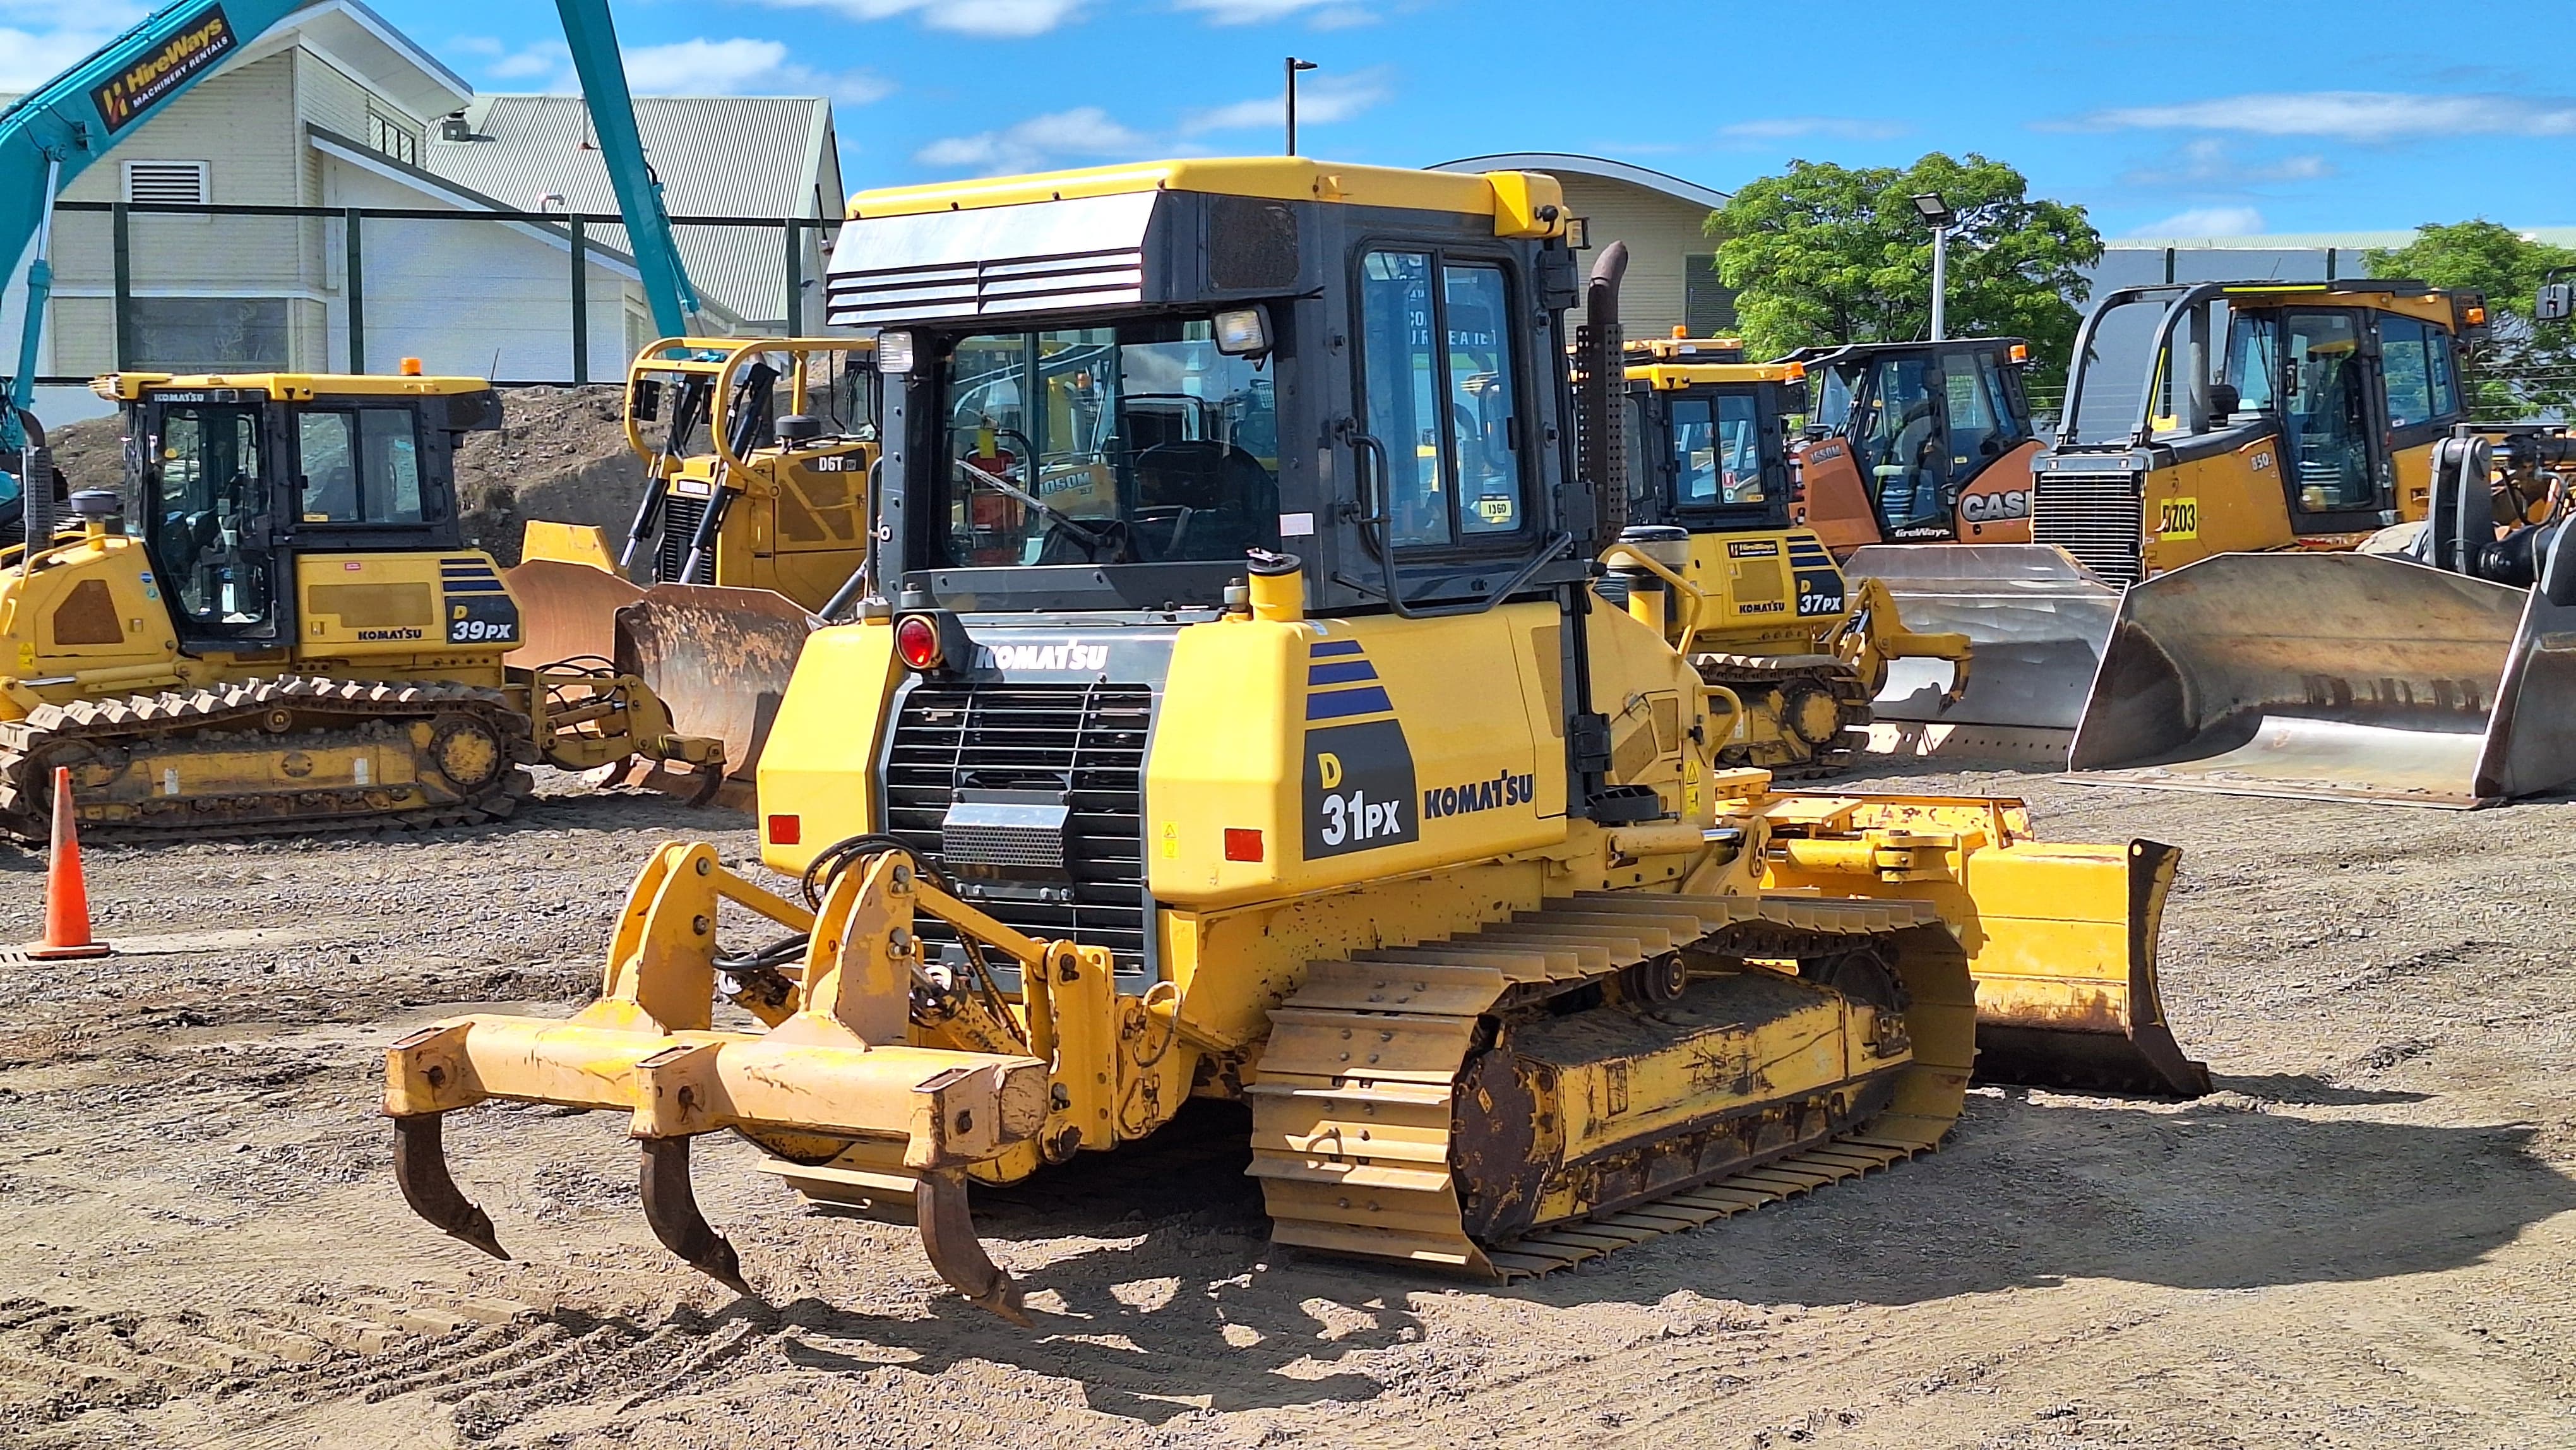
2029, 1195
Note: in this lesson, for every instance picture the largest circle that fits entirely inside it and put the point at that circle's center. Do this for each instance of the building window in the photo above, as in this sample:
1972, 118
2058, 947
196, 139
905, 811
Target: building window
180, 182
209, 334
1708, 305
394, 138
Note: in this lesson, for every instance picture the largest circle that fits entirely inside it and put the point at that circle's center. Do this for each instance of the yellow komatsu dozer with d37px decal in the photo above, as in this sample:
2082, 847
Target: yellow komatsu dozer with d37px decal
276, 627
1253, 731
1711, 559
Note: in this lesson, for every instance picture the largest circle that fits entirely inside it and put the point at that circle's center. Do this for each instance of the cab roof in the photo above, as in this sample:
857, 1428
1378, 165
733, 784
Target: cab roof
1668, 376
286, 387
1522, 203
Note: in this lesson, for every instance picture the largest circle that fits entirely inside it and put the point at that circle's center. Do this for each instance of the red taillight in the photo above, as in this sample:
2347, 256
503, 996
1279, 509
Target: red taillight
916, 642
1242, 845
786, 830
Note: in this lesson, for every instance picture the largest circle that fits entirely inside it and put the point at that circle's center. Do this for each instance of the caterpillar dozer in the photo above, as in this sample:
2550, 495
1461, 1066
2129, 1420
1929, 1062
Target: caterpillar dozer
1253, 731
1711, 560
2200, 419
753, 518
2441, 672
276, 626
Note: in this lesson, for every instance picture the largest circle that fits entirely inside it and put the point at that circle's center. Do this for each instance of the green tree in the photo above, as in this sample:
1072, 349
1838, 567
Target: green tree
1830, 254
2523, 366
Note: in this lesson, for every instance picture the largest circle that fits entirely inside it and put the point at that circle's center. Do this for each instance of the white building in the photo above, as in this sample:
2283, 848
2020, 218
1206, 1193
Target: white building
335, 108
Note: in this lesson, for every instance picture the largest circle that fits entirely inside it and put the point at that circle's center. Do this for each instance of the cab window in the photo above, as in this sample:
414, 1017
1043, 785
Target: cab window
359, 465
1717, 451
1899, 438
205, 515
1138, 443
2415, 361
2326, 412
1442, 395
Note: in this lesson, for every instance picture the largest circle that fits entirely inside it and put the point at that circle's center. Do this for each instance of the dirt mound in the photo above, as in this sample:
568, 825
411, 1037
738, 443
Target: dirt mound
560, 454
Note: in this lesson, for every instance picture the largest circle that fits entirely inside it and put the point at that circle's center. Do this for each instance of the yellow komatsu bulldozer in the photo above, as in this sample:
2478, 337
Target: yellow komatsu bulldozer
276, 627
1711, 559
1200, 747
757, 455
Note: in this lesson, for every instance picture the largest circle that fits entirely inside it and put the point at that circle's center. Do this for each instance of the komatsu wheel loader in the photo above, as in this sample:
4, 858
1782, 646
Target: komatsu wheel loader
1712, 561
277, 627
2200, 419
753, 518
1252, 730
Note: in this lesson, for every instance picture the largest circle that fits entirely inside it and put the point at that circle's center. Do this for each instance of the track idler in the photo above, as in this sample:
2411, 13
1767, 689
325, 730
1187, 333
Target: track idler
837, 1067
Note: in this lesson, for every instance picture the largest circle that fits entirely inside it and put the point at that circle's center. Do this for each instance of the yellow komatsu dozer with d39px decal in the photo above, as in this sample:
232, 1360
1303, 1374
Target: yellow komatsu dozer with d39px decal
276, 627
1231, 714
1711, 559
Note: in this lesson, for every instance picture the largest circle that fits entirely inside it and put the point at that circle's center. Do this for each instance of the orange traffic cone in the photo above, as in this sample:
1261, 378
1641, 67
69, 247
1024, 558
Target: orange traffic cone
66, 892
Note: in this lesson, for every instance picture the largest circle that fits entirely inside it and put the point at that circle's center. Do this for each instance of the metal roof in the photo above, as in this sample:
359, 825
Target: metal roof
1566, 163
717, 156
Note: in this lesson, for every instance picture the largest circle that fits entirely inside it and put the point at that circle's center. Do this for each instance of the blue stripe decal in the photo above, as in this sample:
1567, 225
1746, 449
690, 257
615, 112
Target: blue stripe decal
1341, 672
488, 586
1325, 649
1335, 704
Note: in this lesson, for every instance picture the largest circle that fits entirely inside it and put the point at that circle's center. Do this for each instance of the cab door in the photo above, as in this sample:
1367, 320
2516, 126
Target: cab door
212, 478
2420, 388
2333, 423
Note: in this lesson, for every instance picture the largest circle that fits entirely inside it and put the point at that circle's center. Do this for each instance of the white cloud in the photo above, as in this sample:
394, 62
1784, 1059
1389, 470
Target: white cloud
477, 45
1831, 128
2210, 164
1009, 18
1321, 101
2206, 221
1085, 133
1322, 14
736, 66
2350, 115
28, 59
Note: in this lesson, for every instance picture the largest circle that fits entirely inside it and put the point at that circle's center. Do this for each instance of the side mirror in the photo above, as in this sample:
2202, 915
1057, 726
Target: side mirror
2223, 401
2557, 302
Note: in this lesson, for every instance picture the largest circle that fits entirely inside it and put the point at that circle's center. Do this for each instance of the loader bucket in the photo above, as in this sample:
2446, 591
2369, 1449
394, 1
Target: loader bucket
2334, 677
2035, 619
719, 658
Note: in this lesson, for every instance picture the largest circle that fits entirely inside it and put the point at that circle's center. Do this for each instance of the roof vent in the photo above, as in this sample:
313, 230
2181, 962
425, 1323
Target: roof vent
455, 128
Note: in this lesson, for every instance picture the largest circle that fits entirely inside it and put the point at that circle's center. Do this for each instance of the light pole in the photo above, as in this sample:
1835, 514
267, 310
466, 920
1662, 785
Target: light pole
1937, 212
1294, 65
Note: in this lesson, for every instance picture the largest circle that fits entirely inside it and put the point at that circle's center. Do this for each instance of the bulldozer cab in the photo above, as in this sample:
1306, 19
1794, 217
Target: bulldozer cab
240, 487
2209, 417
1711, 443
1918, 442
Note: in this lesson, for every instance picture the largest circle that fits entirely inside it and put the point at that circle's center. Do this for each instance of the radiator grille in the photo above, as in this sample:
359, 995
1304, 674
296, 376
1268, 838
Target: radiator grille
2094, 516
680, 517
1086, 740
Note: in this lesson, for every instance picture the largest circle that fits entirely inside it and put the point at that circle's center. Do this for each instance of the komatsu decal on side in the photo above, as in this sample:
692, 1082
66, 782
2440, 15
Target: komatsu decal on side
1504, 789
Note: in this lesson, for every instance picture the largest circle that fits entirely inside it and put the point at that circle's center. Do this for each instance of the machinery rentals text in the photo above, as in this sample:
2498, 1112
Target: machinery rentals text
1232, 715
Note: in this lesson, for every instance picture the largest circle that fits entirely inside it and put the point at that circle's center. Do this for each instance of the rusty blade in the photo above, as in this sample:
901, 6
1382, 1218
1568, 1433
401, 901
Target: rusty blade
719, 658
2103, 1029
566, 611
2333, 676
420, 1170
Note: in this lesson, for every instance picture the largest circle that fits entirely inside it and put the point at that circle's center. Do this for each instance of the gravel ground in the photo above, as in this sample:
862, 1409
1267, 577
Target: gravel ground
2362, 1239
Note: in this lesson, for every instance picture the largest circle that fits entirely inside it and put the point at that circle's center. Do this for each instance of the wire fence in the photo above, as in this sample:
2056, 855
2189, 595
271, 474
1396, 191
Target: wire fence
524, 298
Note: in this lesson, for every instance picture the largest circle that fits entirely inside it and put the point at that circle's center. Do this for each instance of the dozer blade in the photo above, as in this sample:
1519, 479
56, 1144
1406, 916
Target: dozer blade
2035, 619
566, 611
719, 658
2334, 677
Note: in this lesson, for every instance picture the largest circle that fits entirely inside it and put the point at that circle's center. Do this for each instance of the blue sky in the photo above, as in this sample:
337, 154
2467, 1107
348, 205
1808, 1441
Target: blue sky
2185, 118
